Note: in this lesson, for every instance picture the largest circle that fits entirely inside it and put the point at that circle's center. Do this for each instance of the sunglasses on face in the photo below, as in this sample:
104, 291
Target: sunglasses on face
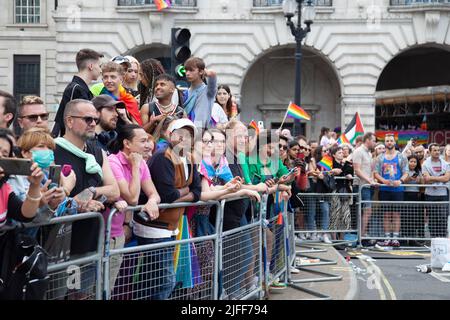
282, 147
34, 117
88, 120
207, 141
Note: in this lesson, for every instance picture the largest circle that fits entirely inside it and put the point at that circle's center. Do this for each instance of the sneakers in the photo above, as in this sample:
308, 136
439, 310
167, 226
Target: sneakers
385, 243
294, 270
326, 238
276, 285
314, 237
395, 243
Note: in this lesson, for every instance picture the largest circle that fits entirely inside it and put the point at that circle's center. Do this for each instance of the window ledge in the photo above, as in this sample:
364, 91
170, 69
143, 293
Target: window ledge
277, 9
27, 25
420, 7
147, 8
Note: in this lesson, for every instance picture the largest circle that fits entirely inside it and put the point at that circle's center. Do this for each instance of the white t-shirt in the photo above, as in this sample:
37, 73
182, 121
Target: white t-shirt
324, 142
218, 114
436, 169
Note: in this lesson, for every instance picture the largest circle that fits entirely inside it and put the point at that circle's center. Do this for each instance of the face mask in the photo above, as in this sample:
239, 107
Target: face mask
44, 158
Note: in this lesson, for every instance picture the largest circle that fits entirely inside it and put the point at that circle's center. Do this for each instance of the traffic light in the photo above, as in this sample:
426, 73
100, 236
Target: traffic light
180, 52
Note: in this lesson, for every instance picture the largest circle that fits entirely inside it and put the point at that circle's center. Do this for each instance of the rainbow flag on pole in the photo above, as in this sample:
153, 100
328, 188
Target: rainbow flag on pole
326, 163
162, 4
343, 140
254, 125
295, 112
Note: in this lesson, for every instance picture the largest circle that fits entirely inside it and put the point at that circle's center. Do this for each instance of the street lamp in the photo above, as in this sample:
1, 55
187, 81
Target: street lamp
289, 8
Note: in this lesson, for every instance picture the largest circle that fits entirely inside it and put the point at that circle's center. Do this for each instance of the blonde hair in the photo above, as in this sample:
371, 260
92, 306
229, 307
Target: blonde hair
29, 100
113, 67
34, 137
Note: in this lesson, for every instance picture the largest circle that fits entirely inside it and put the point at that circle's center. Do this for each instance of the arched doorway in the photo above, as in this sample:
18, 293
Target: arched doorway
160, 52
413, 94
268, 87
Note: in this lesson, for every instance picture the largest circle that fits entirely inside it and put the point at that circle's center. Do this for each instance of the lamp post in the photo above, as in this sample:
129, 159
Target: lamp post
289, 8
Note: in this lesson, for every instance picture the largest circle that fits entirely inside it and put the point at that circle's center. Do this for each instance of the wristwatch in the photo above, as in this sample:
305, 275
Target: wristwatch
129, 224
94, 192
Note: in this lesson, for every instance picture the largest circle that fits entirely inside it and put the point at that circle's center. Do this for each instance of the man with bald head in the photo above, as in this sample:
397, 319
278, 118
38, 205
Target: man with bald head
91, 167
419, 151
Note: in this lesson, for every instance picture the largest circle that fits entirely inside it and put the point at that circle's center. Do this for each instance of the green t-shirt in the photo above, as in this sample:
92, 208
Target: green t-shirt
259, 171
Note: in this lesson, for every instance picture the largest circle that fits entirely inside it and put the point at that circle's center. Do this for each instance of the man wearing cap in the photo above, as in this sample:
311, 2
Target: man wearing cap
108, 109
177, 180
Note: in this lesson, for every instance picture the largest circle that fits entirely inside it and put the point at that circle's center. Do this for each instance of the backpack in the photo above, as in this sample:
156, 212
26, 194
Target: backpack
23, 270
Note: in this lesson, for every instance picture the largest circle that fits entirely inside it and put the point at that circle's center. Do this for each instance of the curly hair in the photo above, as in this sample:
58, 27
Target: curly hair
151, 68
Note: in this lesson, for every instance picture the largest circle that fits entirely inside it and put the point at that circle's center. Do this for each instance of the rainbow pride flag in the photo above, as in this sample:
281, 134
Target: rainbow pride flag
296, 112
326, 163
402, 137
254, 125
343, 140
162, 4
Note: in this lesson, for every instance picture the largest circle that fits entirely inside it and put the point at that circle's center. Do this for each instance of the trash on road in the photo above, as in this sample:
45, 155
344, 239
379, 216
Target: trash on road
424, 268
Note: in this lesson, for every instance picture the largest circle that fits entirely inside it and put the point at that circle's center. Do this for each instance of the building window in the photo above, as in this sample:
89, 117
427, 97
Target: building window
273, 3
27, 75
175, 3
27, 11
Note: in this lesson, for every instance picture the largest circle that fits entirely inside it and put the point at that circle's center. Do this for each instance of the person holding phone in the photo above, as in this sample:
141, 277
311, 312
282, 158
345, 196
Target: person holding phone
413, 226
11, 206
37, 145
132, 175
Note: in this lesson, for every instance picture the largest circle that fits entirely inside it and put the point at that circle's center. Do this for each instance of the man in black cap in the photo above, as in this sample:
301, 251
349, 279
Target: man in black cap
109, 111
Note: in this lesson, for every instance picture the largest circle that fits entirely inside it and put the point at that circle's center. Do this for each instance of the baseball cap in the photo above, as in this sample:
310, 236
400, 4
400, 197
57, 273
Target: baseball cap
105, 100
122, 60
181, 123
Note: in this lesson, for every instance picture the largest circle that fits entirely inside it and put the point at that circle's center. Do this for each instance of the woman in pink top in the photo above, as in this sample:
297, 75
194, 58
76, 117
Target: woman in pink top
132, 175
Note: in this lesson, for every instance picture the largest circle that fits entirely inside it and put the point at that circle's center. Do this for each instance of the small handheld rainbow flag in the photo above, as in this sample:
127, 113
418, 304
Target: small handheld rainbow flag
162, 4
296, 112
326, 163
343, 139
254, 125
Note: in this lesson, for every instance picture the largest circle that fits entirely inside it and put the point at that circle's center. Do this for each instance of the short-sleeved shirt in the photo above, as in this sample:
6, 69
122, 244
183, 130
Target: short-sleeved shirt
121, 170
363, 157
436, 169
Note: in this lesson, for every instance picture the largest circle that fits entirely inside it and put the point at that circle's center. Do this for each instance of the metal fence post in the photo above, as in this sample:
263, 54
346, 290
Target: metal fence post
218, 251
106, 262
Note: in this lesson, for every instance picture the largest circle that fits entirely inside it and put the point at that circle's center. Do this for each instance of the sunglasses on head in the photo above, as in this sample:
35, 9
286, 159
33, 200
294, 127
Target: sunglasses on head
34, 117
88, 120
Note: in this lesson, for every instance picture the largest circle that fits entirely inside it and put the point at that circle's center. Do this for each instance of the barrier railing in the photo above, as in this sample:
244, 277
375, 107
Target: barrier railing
71, 277
408, 214
241, 258
181, 269
330, 213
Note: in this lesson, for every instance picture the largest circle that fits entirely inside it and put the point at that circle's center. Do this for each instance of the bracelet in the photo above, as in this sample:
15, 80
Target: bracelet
34, 199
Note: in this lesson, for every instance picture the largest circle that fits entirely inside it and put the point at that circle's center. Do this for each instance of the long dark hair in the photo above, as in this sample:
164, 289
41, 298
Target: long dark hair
151, 68
318, 154
125, 132
4, 134
229, 105
418, 168
323, 132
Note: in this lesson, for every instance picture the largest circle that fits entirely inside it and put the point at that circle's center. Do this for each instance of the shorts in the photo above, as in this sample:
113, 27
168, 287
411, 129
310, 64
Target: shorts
391, 196
366, 195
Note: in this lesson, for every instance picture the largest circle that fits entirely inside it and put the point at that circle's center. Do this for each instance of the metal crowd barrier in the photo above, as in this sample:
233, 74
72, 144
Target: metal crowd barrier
71, 277
144, 272
411, 216
241, 262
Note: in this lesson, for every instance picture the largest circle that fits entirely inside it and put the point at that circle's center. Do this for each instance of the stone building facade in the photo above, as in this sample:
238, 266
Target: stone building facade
246, 41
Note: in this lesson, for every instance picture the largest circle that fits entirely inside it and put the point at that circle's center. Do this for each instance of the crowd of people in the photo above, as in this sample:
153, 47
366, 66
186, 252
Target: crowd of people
135, 138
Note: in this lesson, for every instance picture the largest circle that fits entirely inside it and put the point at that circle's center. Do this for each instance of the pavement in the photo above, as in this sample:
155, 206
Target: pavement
344, 287
368, 274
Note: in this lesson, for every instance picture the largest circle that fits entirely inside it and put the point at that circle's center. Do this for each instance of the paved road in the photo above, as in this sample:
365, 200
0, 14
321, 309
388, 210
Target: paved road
393, 276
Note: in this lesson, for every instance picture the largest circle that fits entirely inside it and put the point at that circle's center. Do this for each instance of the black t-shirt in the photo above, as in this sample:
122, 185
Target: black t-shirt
84, 232
234, 210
